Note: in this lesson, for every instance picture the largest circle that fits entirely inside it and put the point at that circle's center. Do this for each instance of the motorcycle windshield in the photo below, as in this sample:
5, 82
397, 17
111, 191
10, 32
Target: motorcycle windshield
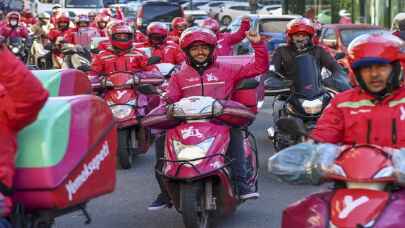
307, 82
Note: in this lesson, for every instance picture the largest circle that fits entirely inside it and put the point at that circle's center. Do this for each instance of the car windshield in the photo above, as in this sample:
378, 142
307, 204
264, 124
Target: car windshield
161, 12
84, 4
349, 34
273, 25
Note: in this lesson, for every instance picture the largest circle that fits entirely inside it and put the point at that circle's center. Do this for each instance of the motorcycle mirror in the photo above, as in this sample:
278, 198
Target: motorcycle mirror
340, 55
84, 68
292, 126
153, 60
247, 84
148, 89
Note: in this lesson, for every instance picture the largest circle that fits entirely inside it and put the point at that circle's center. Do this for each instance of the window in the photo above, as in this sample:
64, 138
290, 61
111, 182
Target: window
84, 4
49, 1
349, 34
216, 4
274, 25
241, 8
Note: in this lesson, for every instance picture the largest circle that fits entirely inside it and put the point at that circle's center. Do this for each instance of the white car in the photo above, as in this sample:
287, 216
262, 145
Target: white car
230, 11
196, 4
198, 15
213, 7
271, 10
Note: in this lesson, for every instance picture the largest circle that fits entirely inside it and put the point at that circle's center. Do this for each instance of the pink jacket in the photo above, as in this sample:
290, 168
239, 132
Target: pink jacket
218, 80
10, 32
227, 40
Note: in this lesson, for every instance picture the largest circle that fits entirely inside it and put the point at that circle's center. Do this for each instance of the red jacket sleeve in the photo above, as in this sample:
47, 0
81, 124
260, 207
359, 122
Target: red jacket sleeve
24, 94
173, 91
97, 66
260, 64
238, 36
330, 126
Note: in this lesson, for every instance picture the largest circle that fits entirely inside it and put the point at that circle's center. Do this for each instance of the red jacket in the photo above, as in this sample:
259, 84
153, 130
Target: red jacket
227, 40
218, 80
354, 117
10, 32
55, 33
169, 52
107, 62
174, 35
29, 21
21, 98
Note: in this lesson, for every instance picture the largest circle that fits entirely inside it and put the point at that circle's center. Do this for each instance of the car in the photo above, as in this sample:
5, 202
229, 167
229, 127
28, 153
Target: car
198, 15
271, 10
230, 11
195, 4
270, 26
213, 7
337, 37
160, 11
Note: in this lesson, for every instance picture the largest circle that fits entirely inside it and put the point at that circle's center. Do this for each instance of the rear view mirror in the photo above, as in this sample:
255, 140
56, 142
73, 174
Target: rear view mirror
153, 60
247, 84
148, 89
340, 55
292, 126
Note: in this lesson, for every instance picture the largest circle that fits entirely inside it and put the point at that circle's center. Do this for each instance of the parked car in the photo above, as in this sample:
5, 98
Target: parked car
271, 10
270, 26
230, 11
337, 38
162, 11
198, 15
195, 6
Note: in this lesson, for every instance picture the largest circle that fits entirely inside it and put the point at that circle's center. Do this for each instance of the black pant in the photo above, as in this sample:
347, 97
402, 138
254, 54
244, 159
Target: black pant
235, 152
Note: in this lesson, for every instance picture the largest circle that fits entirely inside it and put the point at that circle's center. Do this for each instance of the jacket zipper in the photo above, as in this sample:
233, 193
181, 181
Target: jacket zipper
394, 131
368, 131
202, 84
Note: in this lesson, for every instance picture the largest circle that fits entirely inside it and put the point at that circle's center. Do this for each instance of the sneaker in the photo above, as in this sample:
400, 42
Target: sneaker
247, 194
161, 202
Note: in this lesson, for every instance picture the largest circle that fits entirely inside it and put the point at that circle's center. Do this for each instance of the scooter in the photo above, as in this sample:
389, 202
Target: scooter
196, 164
19, 47
366, 192
305, 97
128, 107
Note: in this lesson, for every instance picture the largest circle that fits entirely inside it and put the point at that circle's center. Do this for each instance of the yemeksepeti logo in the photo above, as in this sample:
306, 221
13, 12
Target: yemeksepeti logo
88, 169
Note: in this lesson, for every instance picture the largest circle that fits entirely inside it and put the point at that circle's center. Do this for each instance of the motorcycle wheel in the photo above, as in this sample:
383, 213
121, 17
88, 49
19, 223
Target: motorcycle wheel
192, 206
125, 152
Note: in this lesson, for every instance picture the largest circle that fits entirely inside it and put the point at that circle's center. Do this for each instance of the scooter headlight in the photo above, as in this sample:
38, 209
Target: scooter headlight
15, 50
312, 107
191, 152
121, 111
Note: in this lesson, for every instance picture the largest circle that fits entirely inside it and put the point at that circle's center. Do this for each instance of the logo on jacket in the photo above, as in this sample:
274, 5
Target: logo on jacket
191, 132
351, 204
219, 45
402, 113
211, 77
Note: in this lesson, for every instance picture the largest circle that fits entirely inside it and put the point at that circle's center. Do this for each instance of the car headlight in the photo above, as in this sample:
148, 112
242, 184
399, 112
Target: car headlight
190, 152
15, 50
121, 111
312, 107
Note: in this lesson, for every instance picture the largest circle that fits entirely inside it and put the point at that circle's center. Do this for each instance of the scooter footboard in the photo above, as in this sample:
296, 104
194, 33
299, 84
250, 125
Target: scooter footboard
312, 211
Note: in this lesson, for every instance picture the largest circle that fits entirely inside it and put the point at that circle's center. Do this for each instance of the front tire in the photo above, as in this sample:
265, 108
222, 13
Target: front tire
125, 152
192, 206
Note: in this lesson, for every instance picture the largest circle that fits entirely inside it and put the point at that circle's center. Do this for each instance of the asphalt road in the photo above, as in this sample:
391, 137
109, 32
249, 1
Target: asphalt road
137, 188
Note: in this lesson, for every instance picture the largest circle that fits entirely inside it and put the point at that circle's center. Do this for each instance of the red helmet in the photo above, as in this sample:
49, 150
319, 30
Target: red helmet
179, 21
102, 19
92, 15
27, 12
63, 18
376, 48
197, 34
300, 25
157, 28
13, 15
212, 24
106, 11
82, 18
117, 30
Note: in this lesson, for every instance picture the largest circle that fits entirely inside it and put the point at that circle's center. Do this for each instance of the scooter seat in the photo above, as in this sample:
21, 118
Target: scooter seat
275, 85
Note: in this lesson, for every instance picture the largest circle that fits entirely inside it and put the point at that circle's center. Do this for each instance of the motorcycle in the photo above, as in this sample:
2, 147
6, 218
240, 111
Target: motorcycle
119, 90
19, 47
196, 165
366, 177
40, 56
305, 97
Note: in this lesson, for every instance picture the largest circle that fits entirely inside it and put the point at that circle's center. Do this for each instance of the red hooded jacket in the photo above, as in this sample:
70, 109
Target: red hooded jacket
21, 98
218, 80
355, 117
227, 40
9, 32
